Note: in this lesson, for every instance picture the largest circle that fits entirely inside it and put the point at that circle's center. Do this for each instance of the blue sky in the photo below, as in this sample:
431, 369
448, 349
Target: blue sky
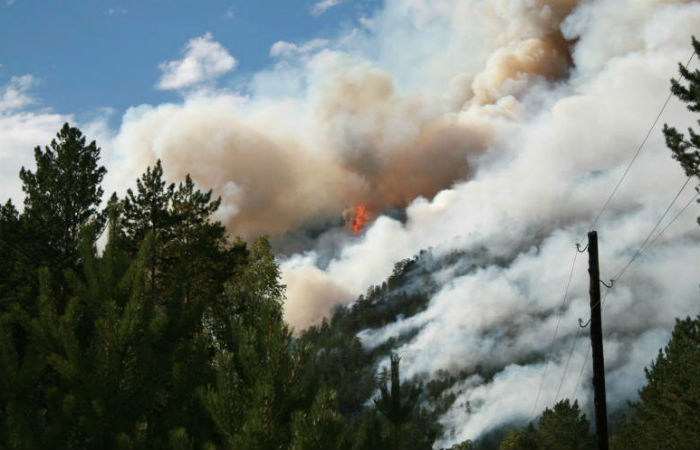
84, 55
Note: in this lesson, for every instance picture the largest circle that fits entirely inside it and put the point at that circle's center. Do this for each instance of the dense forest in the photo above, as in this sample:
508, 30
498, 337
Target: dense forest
142, 324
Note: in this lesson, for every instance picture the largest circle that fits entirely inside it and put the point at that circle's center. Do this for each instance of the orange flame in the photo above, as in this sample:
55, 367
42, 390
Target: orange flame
359, 218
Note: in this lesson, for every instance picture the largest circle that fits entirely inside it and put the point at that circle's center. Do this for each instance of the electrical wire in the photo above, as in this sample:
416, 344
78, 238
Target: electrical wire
568, 361
646, 244
556, 330
602, 302
634, 158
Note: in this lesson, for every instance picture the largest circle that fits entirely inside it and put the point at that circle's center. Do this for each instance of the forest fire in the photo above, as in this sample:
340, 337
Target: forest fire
358, 218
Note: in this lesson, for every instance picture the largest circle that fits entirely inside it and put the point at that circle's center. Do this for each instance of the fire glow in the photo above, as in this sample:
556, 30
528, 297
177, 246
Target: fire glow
359, 218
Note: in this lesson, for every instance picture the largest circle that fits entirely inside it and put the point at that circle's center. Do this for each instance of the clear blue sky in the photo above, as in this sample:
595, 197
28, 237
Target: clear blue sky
89, 54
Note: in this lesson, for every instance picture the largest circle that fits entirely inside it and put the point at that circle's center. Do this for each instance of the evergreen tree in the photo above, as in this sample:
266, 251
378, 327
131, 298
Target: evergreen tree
368, 433
667, 415
147, 211
396, 402
190, 253
686, 149
196, 255
85, 382
321, 428
113, 370
564, 426
10, 237
520, 440
257, 363
21, 373
62, 196
464, 445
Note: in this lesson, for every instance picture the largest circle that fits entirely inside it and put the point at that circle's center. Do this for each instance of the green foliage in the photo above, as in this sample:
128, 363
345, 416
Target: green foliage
397, 401
10, 236
147, 210
520, 440
562, 426
321, 427
368, 433
63, 195
667, 415
464, 445
257, 362
686, 149
108, 372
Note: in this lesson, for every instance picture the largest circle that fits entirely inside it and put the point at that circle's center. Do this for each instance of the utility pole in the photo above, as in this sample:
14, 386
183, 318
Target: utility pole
601, 414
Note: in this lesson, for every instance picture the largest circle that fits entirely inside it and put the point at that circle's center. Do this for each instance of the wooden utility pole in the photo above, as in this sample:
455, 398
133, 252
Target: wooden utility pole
601, 413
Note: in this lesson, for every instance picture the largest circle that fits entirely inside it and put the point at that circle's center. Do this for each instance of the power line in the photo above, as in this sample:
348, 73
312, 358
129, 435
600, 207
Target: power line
674, 219
641, 250
634, 158
556, 330
646, 244
636, 255
568, 361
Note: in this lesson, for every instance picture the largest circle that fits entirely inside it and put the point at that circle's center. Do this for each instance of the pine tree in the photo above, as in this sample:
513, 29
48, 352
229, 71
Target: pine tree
147, 212
62, 196
687, 149
667, 415
564, 426
190, 254
196, 254
520, 440
10, 237
321, 427
112, 370
257, 362
396, 402
21, 373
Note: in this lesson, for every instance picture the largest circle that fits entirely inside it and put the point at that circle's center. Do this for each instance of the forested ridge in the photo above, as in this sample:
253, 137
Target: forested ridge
171, 334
